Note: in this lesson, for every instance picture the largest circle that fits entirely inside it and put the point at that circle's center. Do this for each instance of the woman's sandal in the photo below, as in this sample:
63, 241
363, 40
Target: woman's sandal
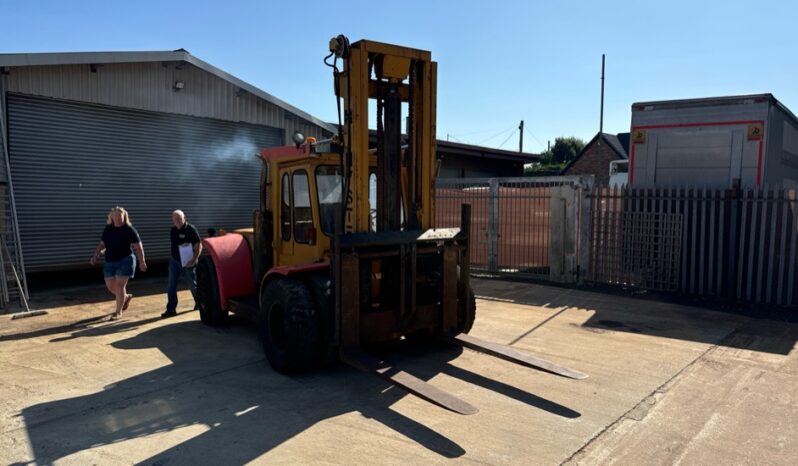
127, 302
115, 316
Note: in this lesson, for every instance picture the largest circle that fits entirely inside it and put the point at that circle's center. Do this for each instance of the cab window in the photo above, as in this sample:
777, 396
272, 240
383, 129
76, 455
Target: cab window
303, 215
285, 209
328, 184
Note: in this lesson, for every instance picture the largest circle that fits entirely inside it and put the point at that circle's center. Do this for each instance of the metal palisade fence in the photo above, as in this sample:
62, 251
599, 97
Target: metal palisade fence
737, 245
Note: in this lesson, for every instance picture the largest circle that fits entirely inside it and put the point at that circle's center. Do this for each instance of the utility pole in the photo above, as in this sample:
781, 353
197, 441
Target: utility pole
601, 118
521, 140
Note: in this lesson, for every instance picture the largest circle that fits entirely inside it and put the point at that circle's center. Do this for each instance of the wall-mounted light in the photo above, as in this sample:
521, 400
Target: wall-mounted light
179, 85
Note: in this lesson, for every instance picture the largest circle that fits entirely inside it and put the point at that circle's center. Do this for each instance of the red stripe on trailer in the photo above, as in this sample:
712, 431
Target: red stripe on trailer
690, 125
233, 261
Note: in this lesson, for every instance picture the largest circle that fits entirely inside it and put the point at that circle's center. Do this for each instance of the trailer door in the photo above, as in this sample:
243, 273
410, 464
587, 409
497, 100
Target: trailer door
695, 157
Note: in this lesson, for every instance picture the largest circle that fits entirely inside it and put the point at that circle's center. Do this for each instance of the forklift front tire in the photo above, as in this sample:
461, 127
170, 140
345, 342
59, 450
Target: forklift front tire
288, 326
210, 308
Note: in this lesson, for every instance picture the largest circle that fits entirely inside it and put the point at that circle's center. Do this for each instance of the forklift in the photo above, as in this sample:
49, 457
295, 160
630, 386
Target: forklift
343, 254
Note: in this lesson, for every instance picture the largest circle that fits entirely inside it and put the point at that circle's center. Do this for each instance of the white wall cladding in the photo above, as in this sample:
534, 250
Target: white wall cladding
150, 86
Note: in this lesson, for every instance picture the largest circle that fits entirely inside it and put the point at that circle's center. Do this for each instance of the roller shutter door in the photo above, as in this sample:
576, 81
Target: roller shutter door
71, 162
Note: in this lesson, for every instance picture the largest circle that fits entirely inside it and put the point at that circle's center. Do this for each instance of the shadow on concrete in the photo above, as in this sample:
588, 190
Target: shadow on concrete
406, 354
123, 325
79, 325
219, 401
91, 327
86, 286
656, 318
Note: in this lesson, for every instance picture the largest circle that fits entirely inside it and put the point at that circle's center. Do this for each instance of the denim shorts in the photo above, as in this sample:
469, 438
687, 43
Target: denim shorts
125, 267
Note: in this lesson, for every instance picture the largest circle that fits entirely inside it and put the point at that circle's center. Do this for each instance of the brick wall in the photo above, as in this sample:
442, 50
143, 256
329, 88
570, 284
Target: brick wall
595, 161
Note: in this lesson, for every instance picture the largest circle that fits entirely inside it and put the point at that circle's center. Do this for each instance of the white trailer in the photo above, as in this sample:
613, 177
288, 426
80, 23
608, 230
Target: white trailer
619, 173
716, 143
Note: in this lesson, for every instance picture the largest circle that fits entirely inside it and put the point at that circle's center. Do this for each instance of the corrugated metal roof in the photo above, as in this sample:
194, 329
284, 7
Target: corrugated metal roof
731, 99
470, 150
73, 58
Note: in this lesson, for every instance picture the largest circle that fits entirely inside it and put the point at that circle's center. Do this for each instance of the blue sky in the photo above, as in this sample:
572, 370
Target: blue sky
498, 62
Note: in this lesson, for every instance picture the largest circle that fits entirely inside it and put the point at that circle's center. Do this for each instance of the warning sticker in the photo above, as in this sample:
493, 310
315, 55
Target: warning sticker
755, 132
639, 136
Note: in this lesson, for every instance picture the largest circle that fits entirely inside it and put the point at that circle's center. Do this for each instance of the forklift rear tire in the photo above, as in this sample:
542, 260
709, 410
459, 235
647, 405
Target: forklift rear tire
288, 326
465, 322
210, 308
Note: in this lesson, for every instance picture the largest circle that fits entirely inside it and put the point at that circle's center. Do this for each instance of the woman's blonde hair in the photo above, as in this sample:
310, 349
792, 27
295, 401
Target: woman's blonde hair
125, 216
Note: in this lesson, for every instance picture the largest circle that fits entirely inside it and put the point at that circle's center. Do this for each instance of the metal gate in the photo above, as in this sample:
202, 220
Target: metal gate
520, 226
71, 162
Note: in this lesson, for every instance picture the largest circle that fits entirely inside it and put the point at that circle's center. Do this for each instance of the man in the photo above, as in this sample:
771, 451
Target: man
186, 249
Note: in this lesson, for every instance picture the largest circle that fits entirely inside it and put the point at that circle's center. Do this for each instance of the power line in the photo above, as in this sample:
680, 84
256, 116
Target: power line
482, 131
533, 136
508, 138
513, 128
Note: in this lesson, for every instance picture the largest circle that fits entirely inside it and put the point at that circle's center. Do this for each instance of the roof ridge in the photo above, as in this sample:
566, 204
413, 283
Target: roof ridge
78, 58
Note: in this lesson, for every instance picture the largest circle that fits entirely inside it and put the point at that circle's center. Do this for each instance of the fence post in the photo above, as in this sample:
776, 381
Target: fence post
563, 237
734, 203
493, 225
585, 240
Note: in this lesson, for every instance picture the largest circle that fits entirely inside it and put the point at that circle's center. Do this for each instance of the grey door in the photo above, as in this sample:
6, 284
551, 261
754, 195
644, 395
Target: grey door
71, 162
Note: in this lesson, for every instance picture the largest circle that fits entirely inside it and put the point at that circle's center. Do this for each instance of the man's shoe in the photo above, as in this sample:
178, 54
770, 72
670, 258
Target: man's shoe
168, 314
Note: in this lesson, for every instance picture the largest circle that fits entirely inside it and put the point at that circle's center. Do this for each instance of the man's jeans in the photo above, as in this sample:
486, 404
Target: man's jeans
175, 272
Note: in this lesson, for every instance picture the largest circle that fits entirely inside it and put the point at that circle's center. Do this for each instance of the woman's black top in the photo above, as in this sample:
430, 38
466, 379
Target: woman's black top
118, 241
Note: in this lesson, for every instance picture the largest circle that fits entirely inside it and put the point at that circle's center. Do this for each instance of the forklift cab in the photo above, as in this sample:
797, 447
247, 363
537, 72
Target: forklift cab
302, 194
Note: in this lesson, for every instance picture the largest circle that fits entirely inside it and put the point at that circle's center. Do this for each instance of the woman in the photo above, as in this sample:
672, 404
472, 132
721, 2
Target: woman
120, 263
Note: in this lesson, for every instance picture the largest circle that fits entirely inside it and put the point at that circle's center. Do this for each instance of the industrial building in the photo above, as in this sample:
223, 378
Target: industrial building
459, 160
149, 131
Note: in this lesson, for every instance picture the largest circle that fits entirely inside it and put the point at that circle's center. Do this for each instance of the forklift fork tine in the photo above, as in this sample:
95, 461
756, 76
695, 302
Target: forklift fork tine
513, 355
408, 382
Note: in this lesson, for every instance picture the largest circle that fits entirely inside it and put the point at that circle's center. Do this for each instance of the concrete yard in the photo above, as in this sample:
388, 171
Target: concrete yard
668, 385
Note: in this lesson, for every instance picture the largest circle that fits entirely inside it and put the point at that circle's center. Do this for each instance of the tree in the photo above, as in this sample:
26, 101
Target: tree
545, 157
566, 149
